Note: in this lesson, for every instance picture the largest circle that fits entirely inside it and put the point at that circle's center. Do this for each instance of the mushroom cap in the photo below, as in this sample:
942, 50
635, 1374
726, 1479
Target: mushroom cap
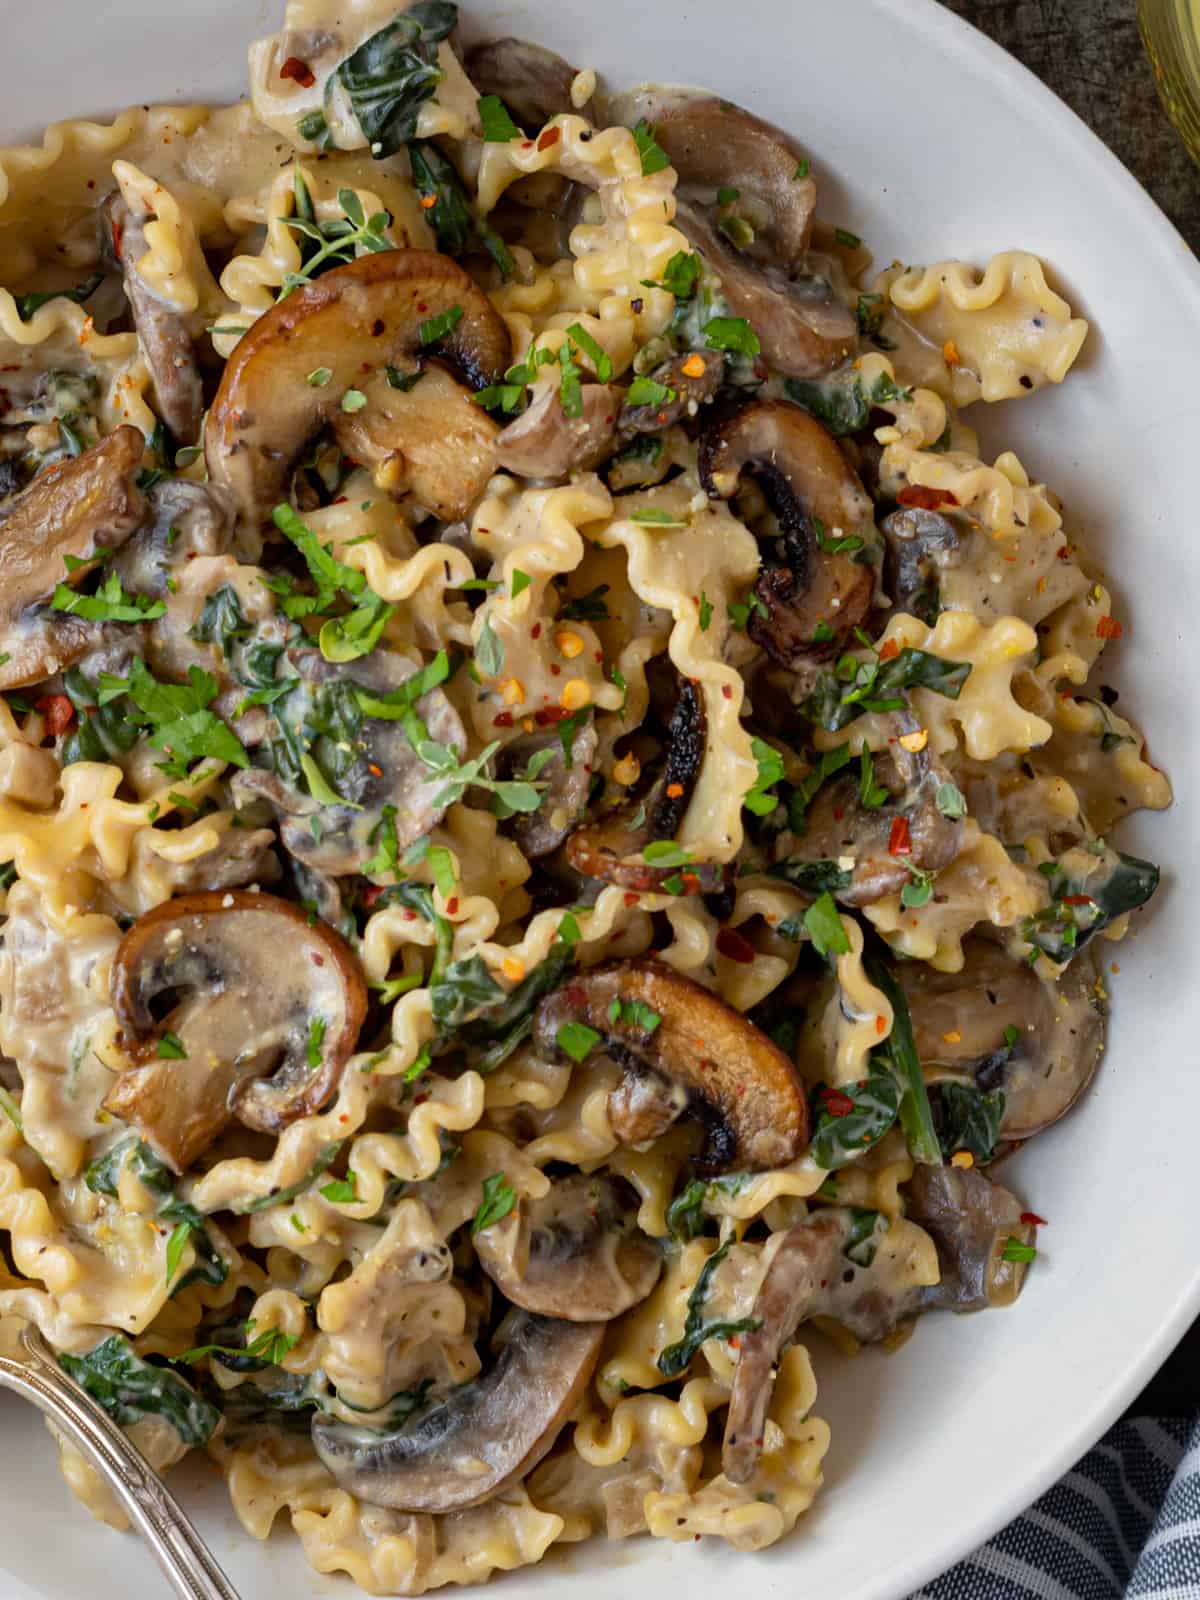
806, 480
543, 442
742, 1084
253, 987
960, 1018
354, 319
919, 544
67, 510
713, 143
577, 1253
435, 442
803, 328
691, 390
534, 83
483, 1436
539, 833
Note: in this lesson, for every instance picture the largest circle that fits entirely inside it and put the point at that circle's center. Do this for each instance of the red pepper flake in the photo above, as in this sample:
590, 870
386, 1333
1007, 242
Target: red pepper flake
536, 631
899, 839
299, 71
881, 1026
58, 712
674, 790
600, 656
503, 719
117, 231
343, 1117
734, 947
1078, 900
691, 883
631, 899
549, 714
838, 813
727, 690
1108, 628
555, 669
575, 995
836, 1103
376, 772
925, 498
548, 137
371, 894
1032, 1220
410, 916
452, 905
888, 649
428, 201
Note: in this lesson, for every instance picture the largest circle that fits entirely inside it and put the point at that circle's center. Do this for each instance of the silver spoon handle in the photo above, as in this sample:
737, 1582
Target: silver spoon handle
152, 1508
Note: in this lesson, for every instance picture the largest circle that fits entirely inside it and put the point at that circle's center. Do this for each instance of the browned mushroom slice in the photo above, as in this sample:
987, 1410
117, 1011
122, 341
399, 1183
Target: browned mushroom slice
535, 84
687, 389
643, 1106
996, 1025
845, 846
815, 599
612, 848
713, 145
354, 320
432, 441
653, 1020
163, 333
919, 545
252, 989
970, 1219
484, 1436
577, 1253
539, 833
67, 511
543, 442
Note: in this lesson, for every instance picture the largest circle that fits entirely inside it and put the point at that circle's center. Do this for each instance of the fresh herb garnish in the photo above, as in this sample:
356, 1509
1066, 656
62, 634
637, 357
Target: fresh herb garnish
390, 76
770, 772
499, 1197
654, 157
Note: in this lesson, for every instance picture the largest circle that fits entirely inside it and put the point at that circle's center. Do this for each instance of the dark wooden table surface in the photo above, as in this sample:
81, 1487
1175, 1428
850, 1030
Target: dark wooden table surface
1090, 53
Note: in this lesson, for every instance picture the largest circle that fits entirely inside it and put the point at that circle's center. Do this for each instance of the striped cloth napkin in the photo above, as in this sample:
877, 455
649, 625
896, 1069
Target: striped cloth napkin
1123, 1525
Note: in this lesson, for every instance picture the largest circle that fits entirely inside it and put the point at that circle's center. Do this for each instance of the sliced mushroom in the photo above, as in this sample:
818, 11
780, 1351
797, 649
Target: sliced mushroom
184, 520
807, 481
963, 1026
539, 833
163, 333
431, 441
803, 328
252, 989
653, 1020
919, 544
687, 390
543, 442
714, 145
970, 1219
643, 1106
68, 510
356, 319
813, 1274
577, 1253
535, 84
612, 849
809, 1255
385, 771
484, 1436
846, 846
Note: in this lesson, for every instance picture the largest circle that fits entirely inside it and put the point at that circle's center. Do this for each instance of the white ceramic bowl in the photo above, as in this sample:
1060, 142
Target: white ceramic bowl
930, 142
